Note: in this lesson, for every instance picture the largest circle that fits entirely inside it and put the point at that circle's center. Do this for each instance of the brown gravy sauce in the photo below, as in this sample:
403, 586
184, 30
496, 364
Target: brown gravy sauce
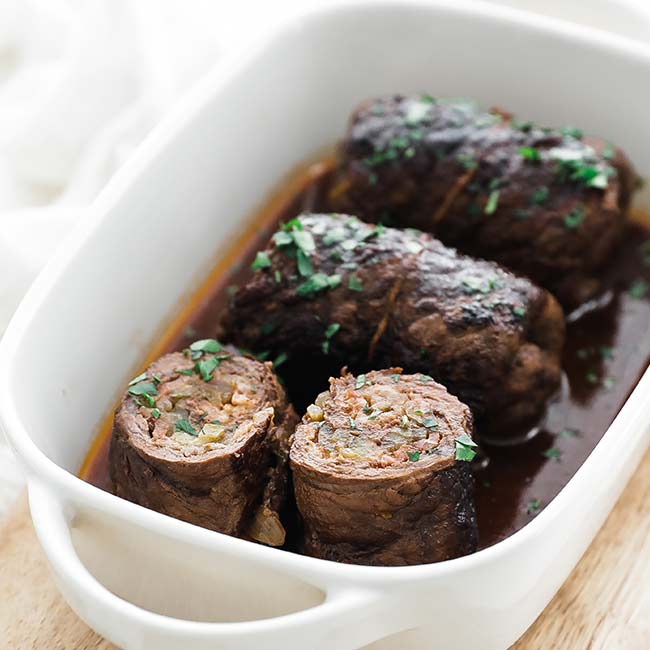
606, 353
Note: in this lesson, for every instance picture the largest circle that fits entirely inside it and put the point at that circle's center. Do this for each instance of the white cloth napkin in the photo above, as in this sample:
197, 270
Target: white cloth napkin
83, 81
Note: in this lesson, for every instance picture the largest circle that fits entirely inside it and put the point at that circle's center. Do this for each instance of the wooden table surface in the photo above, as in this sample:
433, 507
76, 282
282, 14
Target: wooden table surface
605, 604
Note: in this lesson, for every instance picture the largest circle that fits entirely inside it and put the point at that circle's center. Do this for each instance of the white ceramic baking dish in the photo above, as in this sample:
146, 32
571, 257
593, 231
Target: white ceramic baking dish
148, 581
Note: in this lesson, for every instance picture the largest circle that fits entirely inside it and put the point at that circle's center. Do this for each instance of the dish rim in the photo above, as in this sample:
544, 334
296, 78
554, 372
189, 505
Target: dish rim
42, 471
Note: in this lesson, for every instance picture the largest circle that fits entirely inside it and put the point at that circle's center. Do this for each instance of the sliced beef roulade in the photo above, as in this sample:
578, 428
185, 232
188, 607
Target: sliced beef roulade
381, 474
203, 436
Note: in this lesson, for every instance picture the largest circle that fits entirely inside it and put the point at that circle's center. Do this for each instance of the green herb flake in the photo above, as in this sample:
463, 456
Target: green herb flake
331, 330
609, 383
395, 377
185, 426
316, 283
184, 371
206, 345
262, 261
405, 422
519, 311
467, 160
360, 382
352, 422
553, 453
143, 388
569, 433
572, 132
155, 413
638, 289
138, 379
425, 378
608, 152
206, 367
430, 423
573, 220
530, 154
280, 359
492, 202
592, 377
606, 353
533, 506
277, 276
267, 328
414, 456
354, 284
539, 196
465, 448
304, 264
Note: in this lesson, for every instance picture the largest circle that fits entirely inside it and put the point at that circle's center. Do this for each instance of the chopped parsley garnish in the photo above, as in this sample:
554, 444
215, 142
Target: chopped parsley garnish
539, 196
185, 426
572, 132
138, 379
608, 152
592, 377
316, 283
414, 456
330, 330
280, 359
531, 154
533, 506
425, 378
639, 288
304, 264
492, 202
206, 367
405, 422
354, 284
184, 371
465, 448
262, 261
155, 413
146, 389
467, 160
352, 422
569, 433
395, 377
553, 453
430, 423
575, 217
277, 276
360, 382
582, 167
606, 352
608, 383
519, 311
206, 345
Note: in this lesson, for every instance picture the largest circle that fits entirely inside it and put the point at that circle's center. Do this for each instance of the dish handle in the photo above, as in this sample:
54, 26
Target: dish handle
348, 617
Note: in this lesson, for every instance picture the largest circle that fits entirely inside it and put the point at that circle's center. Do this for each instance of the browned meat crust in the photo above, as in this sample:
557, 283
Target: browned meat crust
546, 203
375, 472
371, 297
203, 437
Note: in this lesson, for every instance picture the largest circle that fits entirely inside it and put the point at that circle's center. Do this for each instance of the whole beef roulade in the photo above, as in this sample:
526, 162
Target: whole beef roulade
546, 203
203, 436
381, 474
333, 287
